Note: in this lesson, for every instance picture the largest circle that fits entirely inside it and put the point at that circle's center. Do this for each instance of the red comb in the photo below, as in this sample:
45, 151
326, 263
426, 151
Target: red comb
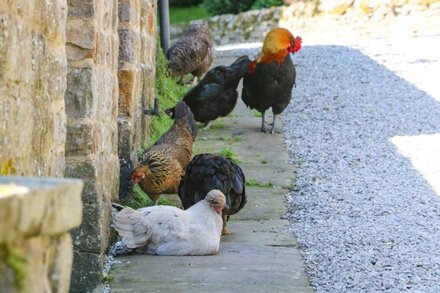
297, 45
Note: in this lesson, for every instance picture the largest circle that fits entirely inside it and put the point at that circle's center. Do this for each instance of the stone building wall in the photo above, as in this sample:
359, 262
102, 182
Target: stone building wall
136, 72
73, 73
32, 85
92, 139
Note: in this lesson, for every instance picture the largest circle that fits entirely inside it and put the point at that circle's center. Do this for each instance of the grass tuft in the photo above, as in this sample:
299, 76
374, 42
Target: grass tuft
255, 183
228, 153
140, 200
169, 94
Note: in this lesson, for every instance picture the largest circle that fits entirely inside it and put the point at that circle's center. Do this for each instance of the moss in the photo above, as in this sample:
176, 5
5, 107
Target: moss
14, 259
7, 168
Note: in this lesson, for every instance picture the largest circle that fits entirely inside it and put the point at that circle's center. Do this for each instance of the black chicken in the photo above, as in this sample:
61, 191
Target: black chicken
216, 94
272, 75
192, 53
206, 172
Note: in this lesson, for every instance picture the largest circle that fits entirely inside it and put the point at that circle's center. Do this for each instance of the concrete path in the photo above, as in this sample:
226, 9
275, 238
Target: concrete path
261, 255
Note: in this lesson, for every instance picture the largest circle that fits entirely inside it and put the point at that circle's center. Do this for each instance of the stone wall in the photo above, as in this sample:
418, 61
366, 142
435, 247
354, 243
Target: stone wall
91, 147
136, 72
238, 28
32, 85
71, 74
35, 246
318, 19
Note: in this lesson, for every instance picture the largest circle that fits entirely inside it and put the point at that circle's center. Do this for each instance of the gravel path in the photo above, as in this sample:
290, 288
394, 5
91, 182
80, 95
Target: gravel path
365, 135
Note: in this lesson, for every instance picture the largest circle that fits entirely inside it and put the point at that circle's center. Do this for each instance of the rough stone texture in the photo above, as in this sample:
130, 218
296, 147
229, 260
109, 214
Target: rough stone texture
32, 85
229, 28
91, 149
35, 217
137, 48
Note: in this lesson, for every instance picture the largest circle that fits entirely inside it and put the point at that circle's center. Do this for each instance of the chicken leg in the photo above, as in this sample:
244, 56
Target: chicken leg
225, 230
263, 127
207, 125
154, 198
272, 129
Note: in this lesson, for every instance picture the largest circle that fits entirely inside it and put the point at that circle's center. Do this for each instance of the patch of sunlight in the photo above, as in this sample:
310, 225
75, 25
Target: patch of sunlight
239, 46
424, 153
12, 189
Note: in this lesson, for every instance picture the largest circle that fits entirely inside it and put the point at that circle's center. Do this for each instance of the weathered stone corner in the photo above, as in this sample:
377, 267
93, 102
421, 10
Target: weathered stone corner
36, 215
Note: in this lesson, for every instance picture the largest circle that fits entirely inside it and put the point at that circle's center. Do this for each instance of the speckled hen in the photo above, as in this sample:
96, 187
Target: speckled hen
192, 53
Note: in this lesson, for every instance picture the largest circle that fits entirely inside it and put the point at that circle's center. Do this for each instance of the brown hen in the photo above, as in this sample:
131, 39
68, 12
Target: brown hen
192, 53
162, 165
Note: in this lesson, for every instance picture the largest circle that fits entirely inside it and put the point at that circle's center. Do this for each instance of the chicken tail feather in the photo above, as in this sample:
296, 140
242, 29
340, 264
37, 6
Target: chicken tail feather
182, 111
128, 224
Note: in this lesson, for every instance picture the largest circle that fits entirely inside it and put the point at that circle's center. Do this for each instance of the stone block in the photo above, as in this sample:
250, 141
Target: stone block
125, 10
61, 267
75, 53
87, 170
35, 206
32, 85
125, 132
80, 8
79, 94
109, 177
34, 237
126, 46
86, 272
125, 184
151, 20
81, 139
128, 86
81, 32
92, 235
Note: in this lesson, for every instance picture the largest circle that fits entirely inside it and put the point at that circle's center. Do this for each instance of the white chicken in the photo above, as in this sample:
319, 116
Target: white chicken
167, 230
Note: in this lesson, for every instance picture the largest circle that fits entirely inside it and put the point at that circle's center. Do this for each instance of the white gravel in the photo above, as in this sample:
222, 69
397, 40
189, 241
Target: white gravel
365, 136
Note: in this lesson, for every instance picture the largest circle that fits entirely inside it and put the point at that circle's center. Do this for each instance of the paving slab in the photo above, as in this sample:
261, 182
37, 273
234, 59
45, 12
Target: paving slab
261, 255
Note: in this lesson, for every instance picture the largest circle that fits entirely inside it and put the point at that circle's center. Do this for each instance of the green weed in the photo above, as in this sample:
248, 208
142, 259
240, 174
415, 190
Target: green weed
255, 183
228, 153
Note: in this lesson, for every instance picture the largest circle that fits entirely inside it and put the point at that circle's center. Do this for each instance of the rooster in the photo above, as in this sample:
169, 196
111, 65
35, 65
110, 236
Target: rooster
209, 171
162, 165
168, 230
216, 94
192, 53
271, 76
